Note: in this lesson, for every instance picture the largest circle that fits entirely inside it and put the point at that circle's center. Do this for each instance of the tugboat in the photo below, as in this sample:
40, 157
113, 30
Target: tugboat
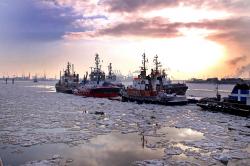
98, 85
153, 88
69, 81
167, 85
237, 103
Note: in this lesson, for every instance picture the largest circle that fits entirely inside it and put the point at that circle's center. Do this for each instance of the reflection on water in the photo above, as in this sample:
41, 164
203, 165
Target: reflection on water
112, 149
248, 148
180, 134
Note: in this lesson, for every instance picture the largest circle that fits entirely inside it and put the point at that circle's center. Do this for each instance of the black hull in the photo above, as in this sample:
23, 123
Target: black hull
141, 100
225, 107
178, 89
64, 89
68, 91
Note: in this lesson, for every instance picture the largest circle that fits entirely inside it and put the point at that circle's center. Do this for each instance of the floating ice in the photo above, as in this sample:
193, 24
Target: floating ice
173, 151
149, 163
30, 118
54, 161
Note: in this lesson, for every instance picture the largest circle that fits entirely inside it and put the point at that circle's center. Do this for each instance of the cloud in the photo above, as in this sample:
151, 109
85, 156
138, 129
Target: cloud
156, 27
232, 29
135, 5
237, 60
232, 23
144, 28
243, 69
26, 20
234, 35
130, 6
231, 32
47, 20
236, 6
33, 20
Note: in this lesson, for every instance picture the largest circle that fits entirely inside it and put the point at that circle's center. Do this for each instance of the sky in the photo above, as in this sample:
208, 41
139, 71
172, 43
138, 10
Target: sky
192, 38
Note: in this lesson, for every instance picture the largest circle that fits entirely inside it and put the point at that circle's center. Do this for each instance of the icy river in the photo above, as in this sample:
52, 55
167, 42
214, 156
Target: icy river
41, 127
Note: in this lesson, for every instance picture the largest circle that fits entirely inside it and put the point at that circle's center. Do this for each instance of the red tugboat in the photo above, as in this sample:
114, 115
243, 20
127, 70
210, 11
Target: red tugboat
153, 88
98, 85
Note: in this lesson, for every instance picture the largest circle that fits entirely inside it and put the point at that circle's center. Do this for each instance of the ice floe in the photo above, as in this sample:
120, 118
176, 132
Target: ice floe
29, 118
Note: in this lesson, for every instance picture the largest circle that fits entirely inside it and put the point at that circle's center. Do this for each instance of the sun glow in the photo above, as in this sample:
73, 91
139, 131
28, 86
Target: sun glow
194, 55
186, 54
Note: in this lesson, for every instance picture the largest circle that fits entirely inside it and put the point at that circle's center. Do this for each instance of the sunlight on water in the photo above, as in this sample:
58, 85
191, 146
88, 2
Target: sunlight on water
114, 149
181, 134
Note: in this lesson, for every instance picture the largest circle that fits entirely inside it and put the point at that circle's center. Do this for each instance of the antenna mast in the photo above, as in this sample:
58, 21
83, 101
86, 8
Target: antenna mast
68, 68
97, 62
110, 69
98, 67
157, 64
143, 69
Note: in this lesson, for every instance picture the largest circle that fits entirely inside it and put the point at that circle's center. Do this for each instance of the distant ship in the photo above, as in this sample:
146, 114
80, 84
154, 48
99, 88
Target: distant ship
98, 84
154, 88
238, 102
35, 79
69, 81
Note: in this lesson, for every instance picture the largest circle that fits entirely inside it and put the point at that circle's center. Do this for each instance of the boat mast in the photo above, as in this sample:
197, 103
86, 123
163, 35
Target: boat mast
60, 78
97, 62
98, 67
68, 68
143, 68
157, 64
73, 68
110, 69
